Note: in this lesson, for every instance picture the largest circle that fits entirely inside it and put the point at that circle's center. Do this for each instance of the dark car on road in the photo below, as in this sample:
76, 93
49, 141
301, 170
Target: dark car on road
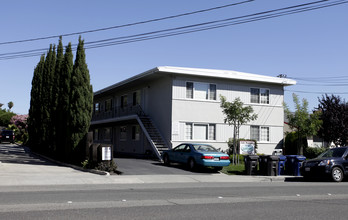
332, 163
7, 136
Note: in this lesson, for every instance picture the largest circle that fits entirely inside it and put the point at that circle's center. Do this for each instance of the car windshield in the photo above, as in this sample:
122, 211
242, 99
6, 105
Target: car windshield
204, 148
334, 152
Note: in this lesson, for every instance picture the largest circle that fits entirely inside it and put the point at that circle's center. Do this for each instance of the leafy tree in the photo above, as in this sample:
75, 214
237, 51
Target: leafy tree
10, 105
5, 117
334, 114
81, 97
236, 115
304, 123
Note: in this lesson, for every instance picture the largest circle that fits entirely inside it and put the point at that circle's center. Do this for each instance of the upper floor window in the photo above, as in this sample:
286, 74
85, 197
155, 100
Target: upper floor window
108, 105
259, 95
96, 107
124, 101
201, 91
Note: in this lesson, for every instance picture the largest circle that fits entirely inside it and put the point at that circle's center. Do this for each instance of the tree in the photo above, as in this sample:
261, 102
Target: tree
63, 107
304, 123
10, 105
81, 98
236, 115
334, 114
35, 110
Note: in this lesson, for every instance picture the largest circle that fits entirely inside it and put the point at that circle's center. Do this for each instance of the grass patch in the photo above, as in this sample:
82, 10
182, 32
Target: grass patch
238, 169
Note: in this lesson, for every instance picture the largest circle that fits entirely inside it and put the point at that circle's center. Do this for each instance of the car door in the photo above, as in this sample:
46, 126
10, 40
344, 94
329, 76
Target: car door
185, 154
176, 153
345, 162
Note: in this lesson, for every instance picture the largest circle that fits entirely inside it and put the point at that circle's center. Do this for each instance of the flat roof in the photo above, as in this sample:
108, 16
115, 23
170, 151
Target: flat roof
213, 73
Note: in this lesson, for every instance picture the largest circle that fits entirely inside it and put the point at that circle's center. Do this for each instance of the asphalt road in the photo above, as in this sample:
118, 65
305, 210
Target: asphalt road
283, 200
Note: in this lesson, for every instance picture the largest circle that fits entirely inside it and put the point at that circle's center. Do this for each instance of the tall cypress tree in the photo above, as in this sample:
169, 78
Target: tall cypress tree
55, 94
63, 107
81, 98
35, 111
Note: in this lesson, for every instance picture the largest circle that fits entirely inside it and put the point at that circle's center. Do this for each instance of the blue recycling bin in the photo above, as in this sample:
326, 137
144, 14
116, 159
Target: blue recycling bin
281, 165
293, 164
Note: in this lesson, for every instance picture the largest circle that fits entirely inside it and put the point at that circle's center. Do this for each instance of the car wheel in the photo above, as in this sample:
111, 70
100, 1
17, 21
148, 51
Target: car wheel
191, 164
166, 160
337, 174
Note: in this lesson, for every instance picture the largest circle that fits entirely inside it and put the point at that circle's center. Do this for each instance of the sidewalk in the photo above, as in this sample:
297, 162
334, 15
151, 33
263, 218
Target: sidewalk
20, 168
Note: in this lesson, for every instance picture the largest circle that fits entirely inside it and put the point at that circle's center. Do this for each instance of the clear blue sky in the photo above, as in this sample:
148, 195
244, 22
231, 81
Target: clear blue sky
311, 47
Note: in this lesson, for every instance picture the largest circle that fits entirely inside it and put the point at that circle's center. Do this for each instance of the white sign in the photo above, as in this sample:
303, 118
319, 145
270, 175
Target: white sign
247, 147
106, 153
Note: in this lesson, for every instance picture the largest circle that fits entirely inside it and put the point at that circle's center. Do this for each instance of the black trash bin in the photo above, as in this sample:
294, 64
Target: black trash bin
250, 162
263, 165
272, 165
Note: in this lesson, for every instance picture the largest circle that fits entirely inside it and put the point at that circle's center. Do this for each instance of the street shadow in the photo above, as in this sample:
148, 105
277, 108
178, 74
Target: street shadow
18, 154
185, 167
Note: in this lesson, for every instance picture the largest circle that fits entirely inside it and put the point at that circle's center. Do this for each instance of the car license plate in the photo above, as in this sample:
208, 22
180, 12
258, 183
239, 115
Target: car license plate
7, 136
307, 169
216, 159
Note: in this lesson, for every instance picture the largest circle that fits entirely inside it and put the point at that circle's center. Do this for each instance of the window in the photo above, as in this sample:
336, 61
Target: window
200, 91
254, 132
108, 105
259, 95
135, 132
123, 133
189, 90
96, 134
124, 101
200, 131
96, 107
107, 134
188, 131
259, 133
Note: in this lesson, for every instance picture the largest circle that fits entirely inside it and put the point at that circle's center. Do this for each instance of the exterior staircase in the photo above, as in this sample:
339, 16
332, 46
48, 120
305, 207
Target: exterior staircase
153, 135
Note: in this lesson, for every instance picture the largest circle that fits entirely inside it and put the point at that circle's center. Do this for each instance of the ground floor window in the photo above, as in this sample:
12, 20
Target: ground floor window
135, 132
259, 133
197, 131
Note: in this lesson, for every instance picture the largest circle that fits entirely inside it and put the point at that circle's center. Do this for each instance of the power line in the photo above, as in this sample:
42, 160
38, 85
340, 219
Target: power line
315, 92
126, 25
194, 28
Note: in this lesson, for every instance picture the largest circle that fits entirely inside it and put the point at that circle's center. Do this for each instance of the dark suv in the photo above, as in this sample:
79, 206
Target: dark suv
7, 136
332, 163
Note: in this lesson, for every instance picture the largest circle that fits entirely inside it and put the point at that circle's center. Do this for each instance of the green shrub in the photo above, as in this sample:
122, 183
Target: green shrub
313, 152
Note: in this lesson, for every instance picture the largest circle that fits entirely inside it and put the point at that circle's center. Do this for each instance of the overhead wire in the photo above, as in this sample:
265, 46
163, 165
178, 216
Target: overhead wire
127, 25
192, 28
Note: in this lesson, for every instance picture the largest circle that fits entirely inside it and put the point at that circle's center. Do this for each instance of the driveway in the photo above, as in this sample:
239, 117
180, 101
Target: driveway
132, 166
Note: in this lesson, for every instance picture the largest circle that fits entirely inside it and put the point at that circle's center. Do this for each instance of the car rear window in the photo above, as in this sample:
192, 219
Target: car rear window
204, 148
7, 132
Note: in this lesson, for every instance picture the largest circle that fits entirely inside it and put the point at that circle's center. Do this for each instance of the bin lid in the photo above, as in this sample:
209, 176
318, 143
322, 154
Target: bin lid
300, 157
282, 158
251, 157
273, 157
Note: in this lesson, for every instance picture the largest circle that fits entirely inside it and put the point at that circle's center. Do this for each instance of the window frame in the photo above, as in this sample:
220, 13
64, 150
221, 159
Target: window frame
190, 134
191, 92
260, 134
260, 97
